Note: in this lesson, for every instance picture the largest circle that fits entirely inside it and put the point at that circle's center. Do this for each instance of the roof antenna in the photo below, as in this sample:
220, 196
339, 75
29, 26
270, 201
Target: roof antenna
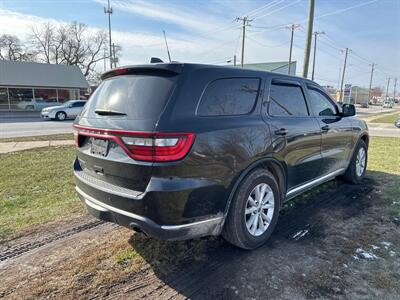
166, 44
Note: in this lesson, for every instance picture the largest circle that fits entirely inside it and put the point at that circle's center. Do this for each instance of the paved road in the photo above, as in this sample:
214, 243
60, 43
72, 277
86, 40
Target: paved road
32, 126
364, 112
378, 129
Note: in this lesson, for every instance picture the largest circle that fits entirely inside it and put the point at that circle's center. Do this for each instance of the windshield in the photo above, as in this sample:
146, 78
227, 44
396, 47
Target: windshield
138, 96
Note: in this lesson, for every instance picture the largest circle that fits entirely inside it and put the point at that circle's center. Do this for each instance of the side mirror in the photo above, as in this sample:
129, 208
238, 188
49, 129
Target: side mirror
70, 106
348, 110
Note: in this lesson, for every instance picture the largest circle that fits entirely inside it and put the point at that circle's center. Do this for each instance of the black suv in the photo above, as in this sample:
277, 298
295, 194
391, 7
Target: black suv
180, 151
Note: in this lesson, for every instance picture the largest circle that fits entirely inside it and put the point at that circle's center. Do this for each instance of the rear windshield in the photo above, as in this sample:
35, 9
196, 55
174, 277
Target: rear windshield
138, 96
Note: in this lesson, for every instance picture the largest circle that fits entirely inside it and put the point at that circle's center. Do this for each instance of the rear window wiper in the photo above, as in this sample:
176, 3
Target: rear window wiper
107, 112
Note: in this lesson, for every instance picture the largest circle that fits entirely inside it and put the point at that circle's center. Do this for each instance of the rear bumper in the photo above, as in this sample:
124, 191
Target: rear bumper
106, 212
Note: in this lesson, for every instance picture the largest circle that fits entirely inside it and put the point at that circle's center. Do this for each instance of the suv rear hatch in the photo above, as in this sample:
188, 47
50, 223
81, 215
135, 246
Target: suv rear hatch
116, 137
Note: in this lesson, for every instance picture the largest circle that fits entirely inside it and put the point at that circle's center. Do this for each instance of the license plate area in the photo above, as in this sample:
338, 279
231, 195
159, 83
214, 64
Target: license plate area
99, 146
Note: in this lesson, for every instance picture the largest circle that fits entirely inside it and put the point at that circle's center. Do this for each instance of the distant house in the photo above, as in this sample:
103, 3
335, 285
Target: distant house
32, 86
278, 67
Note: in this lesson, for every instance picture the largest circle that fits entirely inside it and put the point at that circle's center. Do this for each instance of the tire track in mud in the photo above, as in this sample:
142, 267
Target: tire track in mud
190, 280
18, 250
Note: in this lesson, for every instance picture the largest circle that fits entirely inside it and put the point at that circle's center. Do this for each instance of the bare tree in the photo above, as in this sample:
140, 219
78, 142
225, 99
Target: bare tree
11, 48
71, 44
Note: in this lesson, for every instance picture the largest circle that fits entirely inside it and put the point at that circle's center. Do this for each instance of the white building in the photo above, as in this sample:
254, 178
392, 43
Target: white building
278, 67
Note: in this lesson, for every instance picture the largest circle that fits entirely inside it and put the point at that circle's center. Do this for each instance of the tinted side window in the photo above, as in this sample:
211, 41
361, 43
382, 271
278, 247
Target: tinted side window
287, 100
320, 104
78, 104
233, 96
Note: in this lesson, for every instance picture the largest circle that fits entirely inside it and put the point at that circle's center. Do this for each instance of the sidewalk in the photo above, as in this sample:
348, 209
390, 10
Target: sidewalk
18, 146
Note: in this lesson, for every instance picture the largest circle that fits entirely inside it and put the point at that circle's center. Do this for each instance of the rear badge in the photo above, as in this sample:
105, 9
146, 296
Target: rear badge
99, 147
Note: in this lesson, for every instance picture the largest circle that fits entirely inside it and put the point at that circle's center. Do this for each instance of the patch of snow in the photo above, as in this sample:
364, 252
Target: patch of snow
392, 253
363, 254
345, 265
298, 235
386, 244
374, 247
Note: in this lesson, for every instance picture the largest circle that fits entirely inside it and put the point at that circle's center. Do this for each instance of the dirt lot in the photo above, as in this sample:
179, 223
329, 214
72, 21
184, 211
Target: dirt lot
338, 241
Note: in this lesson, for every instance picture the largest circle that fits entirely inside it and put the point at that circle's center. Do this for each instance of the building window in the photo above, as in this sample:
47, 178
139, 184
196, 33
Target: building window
21, 98
65, 95
3, 99
46, 95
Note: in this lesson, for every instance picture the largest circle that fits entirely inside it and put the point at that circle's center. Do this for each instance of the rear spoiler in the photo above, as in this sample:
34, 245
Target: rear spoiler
166, 69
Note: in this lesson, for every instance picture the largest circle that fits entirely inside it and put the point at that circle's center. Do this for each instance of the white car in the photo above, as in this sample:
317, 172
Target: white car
69, 110
36, 104
387, 104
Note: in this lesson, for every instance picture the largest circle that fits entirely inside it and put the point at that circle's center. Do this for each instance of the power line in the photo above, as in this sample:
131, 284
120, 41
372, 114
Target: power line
268, 46
345, 9
256, 11
276, 10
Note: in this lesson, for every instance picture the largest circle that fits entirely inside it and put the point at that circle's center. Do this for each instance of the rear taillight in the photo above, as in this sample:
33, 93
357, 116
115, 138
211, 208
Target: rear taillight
145, 146
159, 146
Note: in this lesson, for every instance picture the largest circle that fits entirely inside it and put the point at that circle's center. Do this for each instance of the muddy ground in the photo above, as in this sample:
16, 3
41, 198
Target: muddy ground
337, 242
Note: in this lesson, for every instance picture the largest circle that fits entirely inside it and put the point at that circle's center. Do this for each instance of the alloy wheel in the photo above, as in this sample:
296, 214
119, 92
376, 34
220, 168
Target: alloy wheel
259, 209
360, 162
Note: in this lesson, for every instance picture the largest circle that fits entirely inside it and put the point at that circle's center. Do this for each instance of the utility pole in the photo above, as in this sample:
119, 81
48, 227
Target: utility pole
114, 58
370, 82
387, 88
245, 23
234, 60
166, 45
104, 58
292, 28
109, 11
316, 33
344, 71
307, 50
394, 89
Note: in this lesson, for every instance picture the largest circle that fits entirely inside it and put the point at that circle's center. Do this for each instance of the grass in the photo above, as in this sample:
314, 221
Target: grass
36, 186
384, 161
50, 137
387, 118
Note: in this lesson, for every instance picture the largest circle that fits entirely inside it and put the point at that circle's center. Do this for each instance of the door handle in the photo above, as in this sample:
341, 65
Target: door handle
281, 131
325, 128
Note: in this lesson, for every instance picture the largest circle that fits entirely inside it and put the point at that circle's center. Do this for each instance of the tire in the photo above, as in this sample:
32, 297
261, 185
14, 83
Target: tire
354, 175
61, 116
236, 230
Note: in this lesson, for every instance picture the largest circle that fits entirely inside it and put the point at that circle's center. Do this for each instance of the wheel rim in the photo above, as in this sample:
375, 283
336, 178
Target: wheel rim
360, 162
61, 116
259, 209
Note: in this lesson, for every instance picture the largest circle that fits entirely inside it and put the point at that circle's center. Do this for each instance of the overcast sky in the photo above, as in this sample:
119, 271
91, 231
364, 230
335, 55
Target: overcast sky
206, 31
